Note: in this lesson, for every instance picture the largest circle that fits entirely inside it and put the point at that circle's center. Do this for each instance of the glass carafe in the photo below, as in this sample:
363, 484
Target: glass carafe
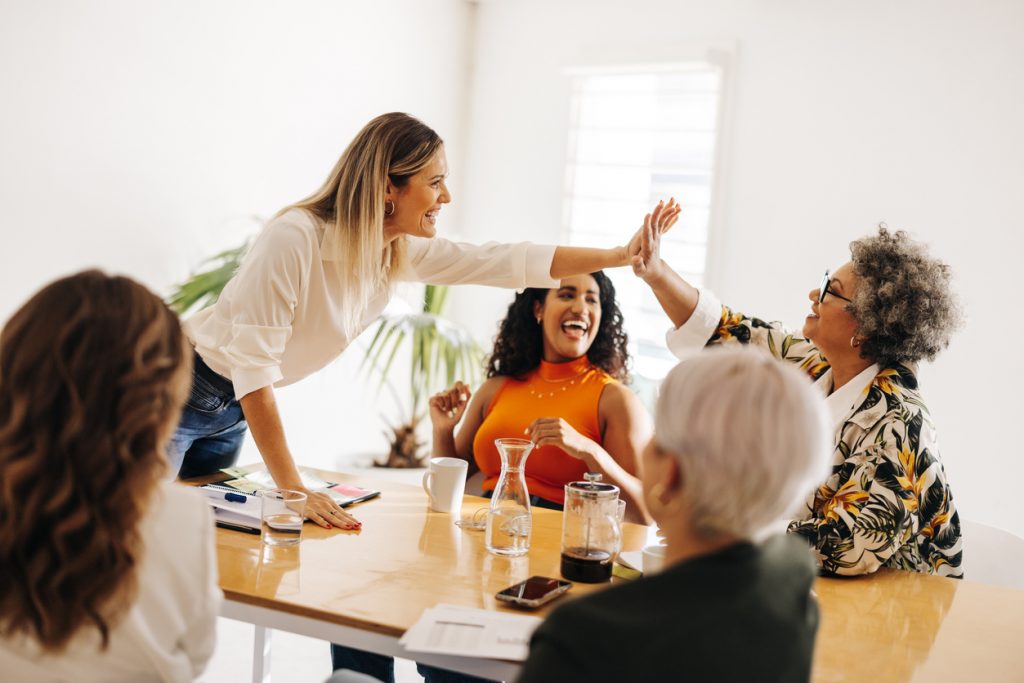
509, 518
591, 530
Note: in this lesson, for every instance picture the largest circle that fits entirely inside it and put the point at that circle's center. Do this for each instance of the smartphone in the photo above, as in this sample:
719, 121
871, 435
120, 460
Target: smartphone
534, 592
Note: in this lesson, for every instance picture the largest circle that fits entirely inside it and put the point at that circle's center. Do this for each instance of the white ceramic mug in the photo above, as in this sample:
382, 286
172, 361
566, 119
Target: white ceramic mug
445, 483
653, 559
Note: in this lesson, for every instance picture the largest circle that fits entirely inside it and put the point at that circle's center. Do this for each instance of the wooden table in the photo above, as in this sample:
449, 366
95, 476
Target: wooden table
364, 589
895, 626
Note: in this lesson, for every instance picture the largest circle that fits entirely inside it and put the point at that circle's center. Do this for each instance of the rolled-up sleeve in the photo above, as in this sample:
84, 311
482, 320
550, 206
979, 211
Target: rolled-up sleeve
443, 262
690, 337
263, 298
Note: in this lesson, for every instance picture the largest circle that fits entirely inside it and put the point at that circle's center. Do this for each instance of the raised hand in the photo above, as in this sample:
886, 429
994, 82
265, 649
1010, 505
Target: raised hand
448, 406
646, 259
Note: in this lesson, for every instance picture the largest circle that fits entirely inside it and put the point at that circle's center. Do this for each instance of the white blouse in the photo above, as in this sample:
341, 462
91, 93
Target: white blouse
279, 319
169, 633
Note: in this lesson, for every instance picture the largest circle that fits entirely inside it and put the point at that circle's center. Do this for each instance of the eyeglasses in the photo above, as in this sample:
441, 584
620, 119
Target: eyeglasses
826, 288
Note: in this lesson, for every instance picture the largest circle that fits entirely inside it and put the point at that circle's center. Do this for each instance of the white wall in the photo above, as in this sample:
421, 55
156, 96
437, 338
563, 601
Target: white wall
139, 136
843, 115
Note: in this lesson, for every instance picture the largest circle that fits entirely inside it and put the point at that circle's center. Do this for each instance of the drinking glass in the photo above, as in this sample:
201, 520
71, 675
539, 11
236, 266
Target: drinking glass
281, 513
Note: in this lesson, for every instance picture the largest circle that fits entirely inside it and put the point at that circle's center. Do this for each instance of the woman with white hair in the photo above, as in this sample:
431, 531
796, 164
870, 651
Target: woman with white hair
320, 273
739, 438
887, 501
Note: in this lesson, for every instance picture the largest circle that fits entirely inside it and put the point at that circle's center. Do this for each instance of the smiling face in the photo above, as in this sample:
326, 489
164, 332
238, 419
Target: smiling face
830, 326
418, 202
570, 317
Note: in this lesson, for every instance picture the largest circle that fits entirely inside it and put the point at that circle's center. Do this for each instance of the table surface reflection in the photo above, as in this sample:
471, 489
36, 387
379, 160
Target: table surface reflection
888, 627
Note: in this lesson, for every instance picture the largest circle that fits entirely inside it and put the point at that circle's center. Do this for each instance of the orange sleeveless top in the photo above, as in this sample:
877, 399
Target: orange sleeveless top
570, 391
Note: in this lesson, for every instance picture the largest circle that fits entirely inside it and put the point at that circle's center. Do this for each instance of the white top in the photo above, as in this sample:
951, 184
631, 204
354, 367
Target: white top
170, 632
279, 319
841, 402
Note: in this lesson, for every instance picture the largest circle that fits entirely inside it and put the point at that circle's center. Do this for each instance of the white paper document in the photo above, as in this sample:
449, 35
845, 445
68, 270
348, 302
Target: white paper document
633, 559
469, 632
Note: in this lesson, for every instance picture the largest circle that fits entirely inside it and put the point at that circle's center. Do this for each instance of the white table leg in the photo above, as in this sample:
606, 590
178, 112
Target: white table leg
261, 655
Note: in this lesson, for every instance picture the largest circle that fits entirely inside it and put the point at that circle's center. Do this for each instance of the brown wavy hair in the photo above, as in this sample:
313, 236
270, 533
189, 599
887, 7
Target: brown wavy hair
519, 346
94, 370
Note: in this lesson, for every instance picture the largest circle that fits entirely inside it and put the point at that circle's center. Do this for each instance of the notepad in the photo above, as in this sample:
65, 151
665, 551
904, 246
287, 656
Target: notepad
471, 632
232, 514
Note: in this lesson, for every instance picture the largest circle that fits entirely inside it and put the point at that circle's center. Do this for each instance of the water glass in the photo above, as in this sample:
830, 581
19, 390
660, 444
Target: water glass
281, 513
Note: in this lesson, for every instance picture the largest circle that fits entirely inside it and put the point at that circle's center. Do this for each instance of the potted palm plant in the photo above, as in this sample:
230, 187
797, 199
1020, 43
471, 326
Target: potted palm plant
441, 351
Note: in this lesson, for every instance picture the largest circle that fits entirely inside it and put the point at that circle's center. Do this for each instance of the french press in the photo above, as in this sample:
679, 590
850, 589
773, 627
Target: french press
591, 529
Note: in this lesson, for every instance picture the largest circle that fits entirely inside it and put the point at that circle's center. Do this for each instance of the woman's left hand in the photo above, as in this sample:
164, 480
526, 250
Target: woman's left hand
554, 431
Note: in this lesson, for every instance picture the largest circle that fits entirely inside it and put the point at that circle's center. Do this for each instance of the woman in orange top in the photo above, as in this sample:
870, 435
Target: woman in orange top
556, 374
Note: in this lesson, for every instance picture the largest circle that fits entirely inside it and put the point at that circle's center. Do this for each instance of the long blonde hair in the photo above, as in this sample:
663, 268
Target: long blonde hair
391, 147
93, 373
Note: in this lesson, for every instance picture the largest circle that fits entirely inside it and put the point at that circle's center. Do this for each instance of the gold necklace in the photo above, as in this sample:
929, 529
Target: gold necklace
571, 380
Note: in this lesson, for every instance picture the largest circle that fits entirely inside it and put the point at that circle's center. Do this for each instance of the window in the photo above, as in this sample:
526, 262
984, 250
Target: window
637, 136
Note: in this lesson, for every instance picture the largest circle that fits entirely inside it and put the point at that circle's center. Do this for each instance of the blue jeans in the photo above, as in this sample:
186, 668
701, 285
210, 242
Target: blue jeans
210, 433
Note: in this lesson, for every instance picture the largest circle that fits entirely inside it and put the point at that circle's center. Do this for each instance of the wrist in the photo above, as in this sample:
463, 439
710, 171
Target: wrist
621, 256
654, 274
589, 458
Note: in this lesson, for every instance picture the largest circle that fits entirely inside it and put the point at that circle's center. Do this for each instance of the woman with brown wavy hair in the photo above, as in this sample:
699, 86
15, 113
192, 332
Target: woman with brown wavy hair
106, 570
557, 376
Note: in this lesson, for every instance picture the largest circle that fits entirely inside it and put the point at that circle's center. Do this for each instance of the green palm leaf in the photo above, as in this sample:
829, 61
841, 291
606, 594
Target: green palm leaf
204, 288
439, 350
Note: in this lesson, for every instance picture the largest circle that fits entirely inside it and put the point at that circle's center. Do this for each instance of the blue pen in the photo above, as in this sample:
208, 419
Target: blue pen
230, 495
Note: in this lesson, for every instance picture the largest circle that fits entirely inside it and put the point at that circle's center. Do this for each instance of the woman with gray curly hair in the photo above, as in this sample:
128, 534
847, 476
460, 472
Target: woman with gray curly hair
887, 502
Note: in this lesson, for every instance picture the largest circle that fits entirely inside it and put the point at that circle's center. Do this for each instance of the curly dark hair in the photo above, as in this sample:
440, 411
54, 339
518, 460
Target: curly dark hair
519, 346
904, 306
94, 370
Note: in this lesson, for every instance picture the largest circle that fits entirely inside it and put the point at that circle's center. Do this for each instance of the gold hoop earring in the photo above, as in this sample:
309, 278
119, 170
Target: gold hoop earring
389, 208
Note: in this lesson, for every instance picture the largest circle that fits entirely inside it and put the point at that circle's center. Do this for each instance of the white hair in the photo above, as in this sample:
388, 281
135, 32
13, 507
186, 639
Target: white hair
750, 435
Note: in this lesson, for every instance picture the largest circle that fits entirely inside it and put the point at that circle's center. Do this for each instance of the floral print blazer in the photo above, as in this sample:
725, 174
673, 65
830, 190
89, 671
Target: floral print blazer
887, 502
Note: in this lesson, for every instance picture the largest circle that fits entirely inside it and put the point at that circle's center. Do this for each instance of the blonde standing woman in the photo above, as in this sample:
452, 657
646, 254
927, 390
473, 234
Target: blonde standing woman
107, 571
320, 273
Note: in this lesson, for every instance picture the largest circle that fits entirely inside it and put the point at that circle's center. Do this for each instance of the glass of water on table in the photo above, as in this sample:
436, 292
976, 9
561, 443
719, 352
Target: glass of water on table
281, 514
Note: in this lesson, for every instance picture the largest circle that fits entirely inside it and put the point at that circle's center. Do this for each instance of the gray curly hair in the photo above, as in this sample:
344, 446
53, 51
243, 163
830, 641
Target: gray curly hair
904, 306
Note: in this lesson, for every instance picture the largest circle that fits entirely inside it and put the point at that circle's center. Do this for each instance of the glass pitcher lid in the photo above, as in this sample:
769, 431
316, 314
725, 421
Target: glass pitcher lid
592, 488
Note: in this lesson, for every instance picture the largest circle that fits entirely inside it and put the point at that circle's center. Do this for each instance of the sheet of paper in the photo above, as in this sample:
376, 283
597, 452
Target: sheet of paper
261, 479
634, 559
468, 632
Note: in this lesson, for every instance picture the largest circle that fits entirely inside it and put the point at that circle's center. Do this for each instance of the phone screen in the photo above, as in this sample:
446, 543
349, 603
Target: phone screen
533, 588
